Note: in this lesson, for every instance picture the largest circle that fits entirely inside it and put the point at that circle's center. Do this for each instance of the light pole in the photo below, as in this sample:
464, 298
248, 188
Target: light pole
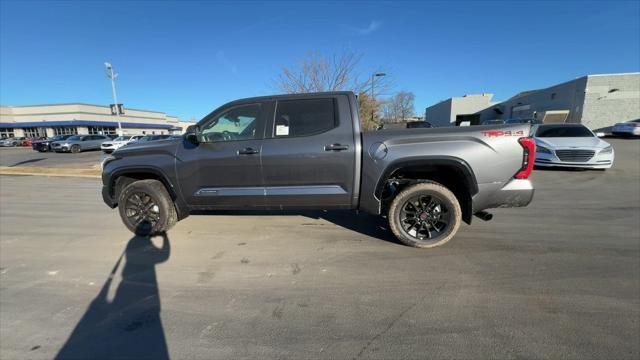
373, 98
111, 75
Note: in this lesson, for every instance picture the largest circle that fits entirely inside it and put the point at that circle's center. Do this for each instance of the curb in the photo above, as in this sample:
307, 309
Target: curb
42, 171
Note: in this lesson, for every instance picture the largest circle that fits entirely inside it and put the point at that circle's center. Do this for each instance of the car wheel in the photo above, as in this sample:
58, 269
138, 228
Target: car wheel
75, 149
146, 207
425, 215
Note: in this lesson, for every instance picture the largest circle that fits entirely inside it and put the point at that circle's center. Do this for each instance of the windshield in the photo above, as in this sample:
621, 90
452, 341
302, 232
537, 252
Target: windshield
122, 138
563, 131
74, 138
59, 137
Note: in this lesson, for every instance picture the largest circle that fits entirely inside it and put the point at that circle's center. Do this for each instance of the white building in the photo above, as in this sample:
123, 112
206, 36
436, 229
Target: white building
55, 119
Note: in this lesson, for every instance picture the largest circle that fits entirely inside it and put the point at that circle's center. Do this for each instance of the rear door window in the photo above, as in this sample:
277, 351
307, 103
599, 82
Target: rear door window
304, 117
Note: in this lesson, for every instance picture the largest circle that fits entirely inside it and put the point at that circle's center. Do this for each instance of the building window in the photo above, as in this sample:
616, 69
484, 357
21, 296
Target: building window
553, 96
34, 132
65, 130
6, 133
102, 130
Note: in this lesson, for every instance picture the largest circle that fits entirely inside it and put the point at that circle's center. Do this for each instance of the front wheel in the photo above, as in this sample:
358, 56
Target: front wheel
425, 215
75, 149
146, 207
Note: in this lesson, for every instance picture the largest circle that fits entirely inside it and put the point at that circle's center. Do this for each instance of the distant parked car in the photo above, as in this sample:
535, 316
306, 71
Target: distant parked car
30, 141
629, 128
78, 143
493, 122
113, 145
571, 145
14, 141
154, 138
523, 121
45, 145
419, 124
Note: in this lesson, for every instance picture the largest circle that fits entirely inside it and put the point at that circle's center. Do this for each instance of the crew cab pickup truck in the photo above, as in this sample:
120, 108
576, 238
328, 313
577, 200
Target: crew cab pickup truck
306, 151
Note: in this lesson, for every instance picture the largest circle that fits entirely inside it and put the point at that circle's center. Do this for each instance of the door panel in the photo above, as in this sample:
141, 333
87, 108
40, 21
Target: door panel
315, 170
223, 171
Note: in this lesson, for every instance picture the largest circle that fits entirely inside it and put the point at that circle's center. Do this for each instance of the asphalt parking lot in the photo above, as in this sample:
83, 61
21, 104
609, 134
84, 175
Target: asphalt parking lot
557, 279
25, 156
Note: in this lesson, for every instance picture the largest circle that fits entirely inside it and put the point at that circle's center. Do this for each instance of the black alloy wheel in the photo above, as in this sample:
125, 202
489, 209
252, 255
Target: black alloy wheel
424, 217
142, 210
146, 208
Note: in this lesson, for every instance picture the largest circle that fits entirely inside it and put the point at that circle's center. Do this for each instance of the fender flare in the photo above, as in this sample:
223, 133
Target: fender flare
449, 161
181, 207
460, 166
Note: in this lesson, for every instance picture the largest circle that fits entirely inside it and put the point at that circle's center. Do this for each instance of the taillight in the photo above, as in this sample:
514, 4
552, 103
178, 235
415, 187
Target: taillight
528, 158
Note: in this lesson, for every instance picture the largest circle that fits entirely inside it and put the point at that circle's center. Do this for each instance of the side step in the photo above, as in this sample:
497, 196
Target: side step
484, 215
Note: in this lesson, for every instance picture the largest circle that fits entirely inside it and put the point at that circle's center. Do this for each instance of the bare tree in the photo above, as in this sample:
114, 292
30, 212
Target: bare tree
399, 107
317, 73
367, 107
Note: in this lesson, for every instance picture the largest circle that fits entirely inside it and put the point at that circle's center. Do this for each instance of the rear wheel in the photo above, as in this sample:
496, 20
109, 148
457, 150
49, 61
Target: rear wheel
75, 149
425, 215
146, 207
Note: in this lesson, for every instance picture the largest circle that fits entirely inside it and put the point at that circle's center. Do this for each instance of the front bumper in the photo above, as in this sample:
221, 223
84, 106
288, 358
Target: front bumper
598, 161
60, 148
106, 197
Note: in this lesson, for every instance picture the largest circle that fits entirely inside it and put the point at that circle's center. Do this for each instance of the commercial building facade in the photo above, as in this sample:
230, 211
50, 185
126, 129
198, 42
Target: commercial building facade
78, 118
597, 101
455, 110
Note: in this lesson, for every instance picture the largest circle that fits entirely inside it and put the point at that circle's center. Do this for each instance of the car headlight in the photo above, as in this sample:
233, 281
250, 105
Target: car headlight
542, 149
607, 150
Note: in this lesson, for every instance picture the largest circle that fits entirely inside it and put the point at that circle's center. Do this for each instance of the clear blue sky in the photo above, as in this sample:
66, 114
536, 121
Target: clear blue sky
187, 58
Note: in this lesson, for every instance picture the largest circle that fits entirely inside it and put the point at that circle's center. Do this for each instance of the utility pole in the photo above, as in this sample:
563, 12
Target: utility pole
111, 75
373, 98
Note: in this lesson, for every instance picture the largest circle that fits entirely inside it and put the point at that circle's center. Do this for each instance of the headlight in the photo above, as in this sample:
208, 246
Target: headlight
542, 149
607, 150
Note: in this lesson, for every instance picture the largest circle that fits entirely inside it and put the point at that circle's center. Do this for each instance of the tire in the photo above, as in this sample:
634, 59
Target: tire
142, 197
425, 215
75, 149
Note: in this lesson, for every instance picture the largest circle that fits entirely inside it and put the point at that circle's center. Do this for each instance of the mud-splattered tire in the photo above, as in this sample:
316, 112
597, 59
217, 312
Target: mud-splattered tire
425, 215
146, 208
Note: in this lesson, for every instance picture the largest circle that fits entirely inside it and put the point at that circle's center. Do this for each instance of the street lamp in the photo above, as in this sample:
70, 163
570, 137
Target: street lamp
373, 98
111, 75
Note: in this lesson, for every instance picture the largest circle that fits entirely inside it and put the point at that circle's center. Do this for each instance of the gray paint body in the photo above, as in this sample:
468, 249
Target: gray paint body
301, 172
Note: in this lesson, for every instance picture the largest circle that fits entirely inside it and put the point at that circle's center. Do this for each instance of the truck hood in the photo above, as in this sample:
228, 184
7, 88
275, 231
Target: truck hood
139, 148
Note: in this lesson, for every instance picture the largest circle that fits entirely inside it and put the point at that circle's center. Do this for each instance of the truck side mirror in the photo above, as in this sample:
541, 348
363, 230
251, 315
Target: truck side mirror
191, 134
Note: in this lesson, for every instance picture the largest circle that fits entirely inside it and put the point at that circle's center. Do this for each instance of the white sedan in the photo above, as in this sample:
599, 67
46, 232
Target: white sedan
111, 146
627, 128
571, 145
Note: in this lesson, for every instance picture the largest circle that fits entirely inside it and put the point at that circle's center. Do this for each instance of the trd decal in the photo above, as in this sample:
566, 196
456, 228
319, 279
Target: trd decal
498, 133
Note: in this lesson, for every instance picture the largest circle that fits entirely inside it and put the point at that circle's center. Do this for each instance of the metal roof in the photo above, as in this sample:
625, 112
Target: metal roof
129, 125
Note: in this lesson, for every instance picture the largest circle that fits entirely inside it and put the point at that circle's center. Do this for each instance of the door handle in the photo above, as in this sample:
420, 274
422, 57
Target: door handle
336, 147
248, 151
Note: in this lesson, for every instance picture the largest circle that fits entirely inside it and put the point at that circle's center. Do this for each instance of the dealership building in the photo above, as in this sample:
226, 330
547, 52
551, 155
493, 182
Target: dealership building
58, 119
597, 101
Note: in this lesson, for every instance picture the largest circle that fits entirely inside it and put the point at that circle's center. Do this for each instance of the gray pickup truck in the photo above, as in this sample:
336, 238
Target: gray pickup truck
306, 151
